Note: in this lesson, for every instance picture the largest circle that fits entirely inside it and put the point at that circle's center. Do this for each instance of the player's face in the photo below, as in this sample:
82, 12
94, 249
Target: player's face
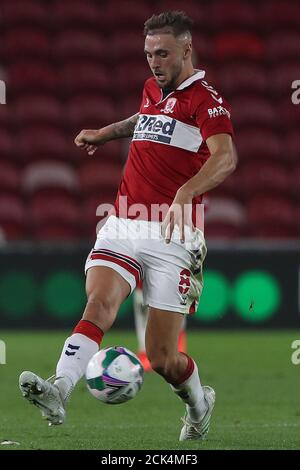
165, 57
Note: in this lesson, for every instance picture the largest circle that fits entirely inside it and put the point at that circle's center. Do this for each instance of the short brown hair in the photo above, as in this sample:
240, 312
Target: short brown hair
177, 21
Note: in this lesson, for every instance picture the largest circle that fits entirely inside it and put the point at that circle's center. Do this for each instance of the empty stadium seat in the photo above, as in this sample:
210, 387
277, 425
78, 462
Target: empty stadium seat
249, 110
37, 142
37, 109
244, 77
272, 216
90, 111
283, 45
57, 208
80, 44
225, 210
32, 76
12, 217
232, 14
264, 176
257, 143
280, 14
84, 77
9, 177
96, 176
47, 174
83, 13
20, 13
222, 231
26, 43
56, 232
6, 144
235, 45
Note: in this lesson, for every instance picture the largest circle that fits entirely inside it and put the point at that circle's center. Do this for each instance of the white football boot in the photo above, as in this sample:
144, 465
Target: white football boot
197, 431
43, 394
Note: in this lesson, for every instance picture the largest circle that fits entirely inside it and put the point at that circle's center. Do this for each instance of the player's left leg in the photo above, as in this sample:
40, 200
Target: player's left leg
179, 370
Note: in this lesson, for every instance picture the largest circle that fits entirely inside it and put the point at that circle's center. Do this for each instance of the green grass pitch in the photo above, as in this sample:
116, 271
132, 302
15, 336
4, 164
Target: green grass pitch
257, 389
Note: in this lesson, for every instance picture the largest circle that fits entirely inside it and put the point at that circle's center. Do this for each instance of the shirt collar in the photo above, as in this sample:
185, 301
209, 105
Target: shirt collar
197, 76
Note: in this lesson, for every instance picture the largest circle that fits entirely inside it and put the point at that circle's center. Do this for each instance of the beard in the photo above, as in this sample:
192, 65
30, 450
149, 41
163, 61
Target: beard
171, 84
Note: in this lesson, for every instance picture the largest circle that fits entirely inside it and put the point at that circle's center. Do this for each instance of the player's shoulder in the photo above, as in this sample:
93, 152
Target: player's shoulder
150, 82
205, 93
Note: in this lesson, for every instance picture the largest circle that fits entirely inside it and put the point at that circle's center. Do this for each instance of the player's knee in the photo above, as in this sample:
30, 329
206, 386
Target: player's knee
100, 309
163, 365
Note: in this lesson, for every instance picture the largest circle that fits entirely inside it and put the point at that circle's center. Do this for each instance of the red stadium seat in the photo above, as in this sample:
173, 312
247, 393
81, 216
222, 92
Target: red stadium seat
295, 182
6, 143
12, 217
9, 177
283, 45
80, 44
126, 15
222, 231
271, 217
225, 210
26, 43
292, 146
138, 73
128, 47
249, 110
237, 45
56, 232
236, 78
232, 14
258, 143
83, 13
33, 77
280, 14
267, 177
57, 208
6, 117
44, 175
37, 109
199, 13
89, 111
31, 12
85, 77
36, 142
96, 176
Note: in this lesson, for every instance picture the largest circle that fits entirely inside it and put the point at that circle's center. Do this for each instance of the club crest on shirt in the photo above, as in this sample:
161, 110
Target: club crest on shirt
169, 106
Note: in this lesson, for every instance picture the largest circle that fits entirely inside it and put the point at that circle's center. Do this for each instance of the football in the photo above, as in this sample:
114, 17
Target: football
114, 375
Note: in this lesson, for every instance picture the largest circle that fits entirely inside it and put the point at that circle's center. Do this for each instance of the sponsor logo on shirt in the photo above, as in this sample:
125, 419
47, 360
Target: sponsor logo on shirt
166, 130
154, 128
218, 111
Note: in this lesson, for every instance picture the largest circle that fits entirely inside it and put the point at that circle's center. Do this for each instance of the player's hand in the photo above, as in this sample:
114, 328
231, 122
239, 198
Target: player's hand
180, 214
89, 140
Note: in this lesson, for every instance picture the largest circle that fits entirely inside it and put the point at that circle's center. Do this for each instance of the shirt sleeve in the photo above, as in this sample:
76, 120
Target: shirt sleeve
212, 114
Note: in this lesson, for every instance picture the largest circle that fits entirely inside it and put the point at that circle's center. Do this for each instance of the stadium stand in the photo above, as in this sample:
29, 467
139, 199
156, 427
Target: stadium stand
67, 67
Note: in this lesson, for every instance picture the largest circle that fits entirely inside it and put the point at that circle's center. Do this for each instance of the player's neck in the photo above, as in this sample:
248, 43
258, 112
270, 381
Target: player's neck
185, 74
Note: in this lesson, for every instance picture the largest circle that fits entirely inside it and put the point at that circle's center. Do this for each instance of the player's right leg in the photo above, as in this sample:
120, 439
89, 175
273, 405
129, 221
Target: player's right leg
106, 290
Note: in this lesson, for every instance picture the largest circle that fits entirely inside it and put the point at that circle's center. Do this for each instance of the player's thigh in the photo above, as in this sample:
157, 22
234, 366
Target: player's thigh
107, 287
162, 332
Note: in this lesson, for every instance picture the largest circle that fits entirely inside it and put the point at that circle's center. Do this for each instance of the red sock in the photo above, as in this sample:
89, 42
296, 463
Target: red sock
89, 329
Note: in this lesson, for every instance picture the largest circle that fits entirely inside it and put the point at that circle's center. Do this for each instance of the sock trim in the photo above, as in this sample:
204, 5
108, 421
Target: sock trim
189, 370
89, 329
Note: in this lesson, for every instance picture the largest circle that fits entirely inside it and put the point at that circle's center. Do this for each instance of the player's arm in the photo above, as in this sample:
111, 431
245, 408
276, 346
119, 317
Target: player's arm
222, 162
91, 139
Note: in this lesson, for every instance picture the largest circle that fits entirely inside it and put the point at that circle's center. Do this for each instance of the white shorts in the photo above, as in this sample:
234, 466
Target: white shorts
171, 273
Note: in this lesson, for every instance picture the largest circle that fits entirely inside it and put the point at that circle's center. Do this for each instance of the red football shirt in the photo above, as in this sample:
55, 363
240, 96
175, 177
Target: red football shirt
168, 146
